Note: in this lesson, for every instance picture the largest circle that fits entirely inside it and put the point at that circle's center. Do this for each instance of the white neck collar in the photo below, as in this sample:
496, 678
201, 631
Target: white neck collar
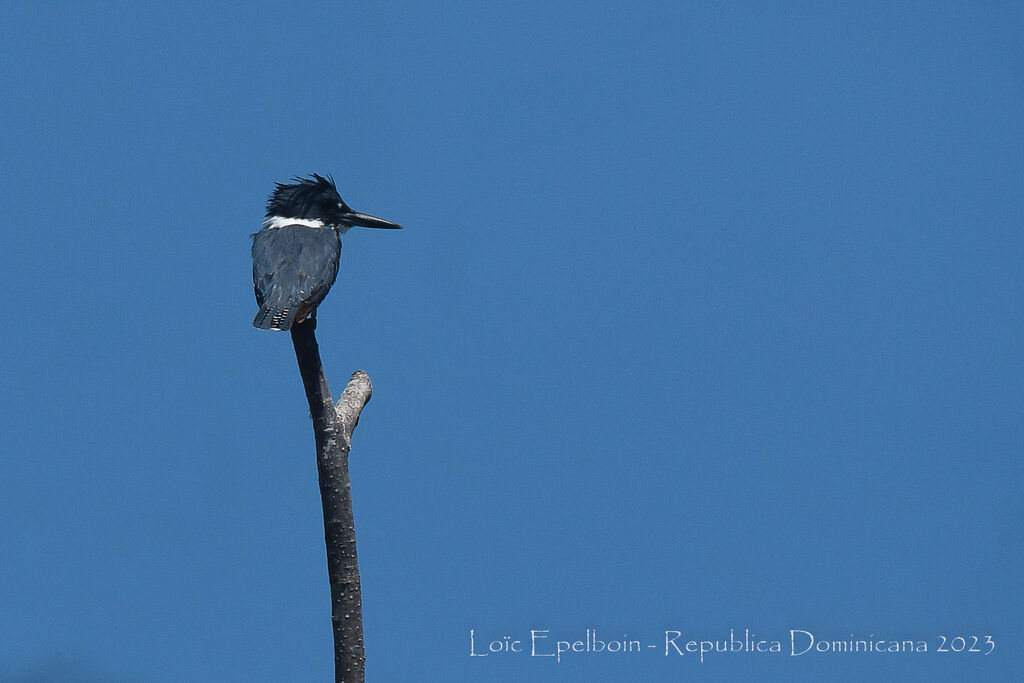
273, 222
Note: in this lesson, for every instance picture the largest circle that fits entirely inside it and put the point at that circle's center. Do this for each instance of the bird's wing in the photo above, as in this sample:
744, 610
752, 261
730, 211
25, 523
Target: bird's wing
294, 265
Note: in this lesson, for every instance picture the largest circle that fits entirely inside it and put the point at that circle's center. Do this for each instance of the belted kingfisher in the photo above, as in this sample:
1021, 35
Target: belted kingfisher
295, 257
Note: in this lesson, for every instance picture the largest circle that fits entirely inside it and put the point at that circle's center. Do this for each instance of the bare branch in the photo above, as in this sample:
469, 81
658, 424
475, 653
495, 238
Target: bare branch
332, 429
355, 397
307, 353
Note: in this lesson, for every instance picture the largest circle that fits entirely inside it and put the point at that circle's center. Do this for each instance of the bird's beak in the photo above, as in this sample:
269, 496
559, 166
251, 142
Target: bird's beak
365, 220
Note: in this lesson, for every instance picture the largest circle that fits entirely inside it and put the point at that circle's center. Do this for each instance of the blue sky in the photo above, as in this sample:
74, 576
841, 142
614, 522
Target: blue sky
706, 317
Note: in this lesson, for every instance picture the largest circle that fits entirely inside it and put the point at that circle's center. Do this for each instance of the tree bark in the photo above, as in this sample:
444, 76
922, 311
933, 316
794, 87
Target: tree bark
333, 424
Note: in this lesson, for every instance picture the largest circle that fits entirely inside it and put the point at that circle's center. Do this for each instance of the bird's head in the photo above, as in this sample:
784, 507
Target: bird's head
316, 200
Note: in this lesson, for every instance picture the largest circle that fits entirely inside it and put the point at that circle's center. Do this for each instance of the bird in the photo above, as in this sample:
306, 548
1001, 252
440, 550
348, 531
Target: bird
297, 253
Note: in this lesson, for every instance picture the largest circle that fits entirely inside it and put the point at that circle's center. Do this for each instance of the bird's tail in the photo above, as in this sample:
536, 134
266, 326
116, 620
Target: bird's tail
275, 317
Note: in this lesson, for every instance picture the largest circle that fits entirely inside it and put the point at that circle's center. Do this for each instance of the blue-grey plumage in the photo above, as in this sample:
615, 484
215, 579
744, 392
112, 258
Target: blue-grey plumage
293, 267
295, 257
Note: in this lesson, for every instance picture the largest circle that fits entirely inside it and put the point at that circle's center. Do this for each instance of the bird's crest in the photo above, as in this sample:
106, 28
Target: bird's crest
296, 198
